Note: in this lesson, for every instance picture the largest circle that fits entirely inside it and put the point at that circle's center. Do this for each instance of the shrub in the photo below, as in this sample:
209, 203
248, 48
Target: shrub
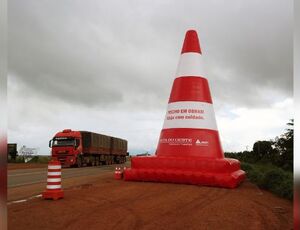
34, 159
40, 159
285, 189
246, 167
19, 159
271, 178
256, 177
279, 182
44, 159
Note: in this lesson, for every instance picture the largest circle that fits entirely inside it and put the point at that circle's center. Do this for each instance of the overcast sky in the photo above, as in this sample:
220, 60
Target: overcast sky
108, 67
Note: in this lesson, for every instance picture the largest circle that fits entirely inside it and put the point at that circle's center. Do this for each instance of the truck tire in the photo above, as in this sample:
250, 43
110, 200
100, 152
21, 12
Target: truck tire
79, 162
93, 163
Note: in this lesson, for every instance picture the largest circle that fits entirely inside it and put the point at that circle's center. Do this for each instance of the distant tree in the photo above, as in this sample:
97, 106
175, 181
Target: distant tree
247, 156
278, 151
285, 146
231, 155
263, 150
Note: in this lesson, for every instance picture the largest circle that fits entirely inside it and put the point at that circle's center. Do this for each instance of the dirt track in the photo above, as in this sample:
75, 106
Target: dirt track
105, 203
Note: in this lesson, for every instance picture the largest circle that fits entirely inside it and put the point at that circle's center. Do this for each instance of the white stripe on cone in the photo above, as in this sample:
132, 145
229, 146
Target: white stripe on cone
54, 173
190, 64
53, 179
53, 186
190, 114
54, 166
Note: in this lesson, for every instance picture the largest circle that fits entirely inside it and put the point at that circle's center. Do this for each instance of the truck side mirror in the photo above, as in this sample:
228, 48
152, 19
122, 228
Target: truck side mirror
50, 143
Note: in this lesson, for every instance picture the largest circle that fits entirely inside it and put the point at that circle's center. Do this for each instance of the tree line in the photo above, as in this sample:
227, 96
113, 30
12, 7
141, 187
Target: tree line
278, 152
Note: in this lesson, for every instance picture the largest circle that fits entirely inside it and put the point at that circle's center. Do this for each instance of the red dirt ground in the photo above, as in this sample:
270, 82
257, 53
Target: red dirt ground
105, 203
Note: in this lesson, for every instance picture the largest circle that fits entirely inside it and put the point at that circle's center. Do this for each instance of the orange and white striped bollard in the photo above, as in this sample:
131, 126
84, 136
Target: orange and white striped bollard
53, 190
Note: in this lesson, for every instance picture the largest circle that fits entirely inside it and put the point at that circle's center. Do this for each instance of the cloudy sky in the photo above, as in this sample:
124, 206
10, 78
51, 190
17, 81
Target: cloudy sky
108, 67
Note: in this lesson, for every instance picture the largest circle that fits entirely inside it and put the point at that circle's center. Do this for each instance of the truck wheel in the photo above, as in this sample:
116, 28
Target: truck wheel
79, 162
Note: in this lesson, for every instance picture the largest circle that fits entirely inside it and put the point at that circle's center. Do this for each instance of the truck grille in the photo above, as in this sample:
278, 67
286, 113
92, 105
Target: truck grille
62, 157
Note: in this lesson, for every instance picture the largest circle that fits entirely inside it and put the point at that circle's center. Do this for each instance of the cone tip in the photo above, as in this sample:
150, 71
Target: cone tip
191, 42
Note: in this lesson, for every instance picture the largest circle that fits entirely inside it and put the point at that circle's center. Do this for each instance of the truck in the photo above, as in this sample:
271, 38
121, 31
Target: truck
84, 148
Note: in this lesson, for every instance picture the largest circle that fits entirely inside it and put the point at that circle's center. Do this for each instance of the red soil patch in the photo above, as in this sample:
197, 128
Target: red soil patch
105, 203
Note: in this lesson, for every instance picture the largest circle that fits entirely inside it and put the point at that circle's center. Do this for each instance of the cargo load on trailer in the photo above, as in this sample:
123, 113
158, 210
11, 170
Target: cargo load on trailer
82, 148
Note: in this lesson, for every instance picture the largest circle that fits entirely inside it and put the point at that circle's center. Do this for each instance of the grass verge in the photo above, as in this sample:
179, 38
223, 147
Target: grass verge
270, 177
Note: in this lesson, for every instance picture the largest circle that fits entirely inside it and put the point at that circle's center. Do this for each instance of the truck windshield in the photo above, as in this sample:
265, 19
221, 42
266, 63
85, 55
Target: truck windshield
63, 141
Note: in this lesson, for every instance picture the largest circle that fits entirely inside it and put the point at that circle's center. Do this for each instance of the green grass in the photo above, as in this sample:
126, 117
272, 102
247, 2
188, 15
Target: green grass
270, 177
35, 159
40, 159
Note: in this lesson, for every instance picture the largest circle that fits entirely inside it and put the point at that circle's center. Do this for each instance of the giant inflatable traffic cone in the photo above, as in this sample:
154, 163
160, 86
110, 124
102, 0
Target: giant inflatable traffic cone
189, 149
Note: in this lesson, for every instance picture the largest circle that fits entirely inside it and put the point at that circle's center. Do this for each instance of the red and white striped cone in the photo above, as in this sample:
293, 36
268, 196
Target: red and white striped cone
53, 189
189, 149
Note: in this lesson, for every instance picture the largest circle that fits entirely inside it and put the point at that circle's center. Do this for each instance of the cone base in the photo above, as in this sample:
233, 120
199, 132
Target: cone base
118, 176
53, 194
200, 171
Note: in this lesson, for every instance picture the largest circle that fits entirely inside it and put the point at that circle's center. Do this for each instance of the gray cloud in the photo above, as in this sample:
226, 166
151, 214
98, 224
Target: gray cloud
96, 53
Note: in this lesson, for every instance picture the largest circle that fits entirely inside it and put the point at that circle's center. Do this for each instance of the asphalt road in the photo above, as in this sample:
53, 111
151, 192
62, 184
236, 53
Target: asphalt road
23, 177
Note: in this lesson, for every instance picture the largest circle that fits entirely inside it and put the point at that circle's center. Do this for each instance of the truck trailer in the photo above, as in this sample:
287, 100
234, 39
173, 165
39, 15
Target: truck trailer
83, 148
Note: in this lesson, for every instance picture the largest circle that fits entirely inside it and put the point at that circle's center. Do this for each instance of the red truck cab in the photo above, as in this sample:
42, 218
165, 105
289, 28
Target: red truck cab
66, 147
84, 148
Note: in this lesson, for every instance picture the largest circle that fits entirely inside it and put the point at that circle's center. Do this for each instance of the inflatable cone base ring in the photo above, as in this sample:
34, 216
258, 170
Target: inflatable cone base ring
210, 172
53, 195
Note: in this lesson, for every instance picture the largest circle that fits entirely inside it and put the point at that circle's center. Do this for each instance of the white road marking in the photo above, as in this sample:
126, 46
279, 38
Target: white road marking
24, 200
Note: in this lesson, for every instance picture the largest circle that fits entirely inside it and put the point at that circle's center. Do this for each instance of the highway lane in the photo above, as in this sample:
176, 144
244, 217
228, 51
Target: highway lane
23, 177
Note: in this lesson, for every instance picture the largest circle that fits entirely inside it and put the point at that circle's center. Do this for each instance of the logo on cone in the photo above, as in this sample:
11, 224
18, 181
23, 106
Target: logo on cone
201, 143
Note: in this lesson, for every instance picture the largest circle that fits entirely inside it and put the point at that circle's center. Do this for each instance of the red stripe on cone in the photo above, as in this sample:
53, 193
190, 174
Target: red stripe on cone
54, 170
191, 42
54, 183
190, 89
